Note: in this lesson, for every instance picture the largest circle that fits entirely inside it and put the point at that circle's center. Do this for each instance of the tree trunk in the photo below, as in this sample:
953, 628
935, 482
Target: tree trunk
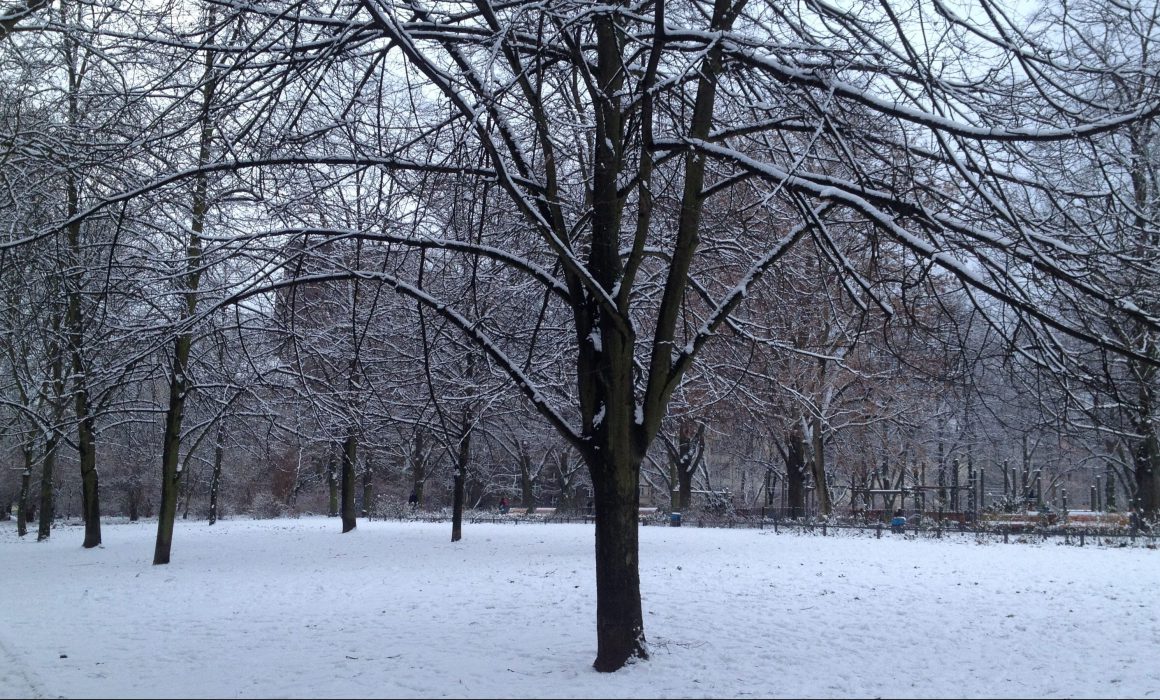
461, 460
1147, 469
179, 381
822, 488
44, 529
170, 452
215, 480
349, 455
332, 469
690, 444
133, 497
368, 494
22, 504
1109, 488
619, 620
527, 490
795, 472
418, 468
75, 327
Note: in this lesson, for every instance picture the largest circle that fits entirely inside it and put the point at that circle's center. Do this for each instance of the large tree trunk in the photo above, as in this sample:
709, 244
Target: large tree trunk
349, 455
619, 620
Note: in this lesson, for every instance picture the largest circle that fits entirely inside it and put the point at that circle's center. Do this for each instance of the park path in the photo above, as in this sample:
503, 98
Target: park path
16, 679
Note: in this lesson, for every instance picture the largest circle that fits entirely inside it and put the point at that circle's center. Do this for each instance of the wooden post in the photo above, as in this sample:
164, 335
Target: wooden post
878, 529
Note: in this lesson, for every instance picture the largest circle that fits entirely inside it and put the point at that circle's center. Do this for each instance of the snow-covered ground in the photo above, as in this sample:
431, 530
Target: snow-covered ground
293, 608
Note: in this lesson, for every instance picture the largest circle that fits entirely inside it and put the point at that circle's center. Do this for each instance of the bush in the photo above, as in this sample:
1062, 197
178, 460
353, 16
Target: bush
265, 507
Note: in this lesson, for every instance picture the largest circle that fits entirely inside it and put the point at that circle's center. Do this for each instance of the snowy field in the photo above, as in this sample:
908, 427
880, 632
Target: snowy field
293, 608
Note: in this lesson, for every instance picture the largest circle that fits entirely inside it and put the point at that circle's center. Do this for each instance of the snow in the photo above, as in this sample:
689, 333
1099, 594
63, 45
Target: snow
293, 608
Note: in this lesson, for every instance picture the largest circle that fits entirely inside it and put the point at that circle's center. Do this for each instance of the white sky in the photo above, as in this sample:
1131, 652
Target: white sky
293, 608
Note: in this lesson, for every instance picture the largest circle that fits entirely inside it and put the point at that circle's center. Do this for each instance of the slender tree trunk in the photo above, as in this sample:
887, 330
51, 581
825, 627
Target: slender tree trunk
48, 463
463, 456
368, 494
349, 455
25, 490
527, 490
179, 381
332, 479
170, 452
418, 468
22, 504
1109, 488
216, 478
44, 529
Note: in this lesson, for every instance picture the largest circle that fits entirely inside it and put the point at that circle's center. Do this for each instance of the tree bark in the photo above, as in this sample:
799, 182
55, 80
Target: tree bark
461, 460
349, 455
822, 487
25, 489
368, 490
332, 479
418, 468
75, 325
179, 381
527, 490
170, 452
1147, 468
44, 525
619, 620
795, 472
216, 478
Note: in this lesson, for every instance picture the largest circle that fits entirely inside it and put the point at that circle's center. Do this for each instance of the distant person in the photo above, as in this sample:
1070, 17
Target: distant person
898, 522
413, 500
503, 505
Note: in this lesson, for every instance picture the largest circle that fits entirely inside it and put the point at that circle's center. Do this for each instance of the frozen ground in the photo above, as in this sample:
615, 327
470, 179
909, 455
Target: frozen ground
293, 608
